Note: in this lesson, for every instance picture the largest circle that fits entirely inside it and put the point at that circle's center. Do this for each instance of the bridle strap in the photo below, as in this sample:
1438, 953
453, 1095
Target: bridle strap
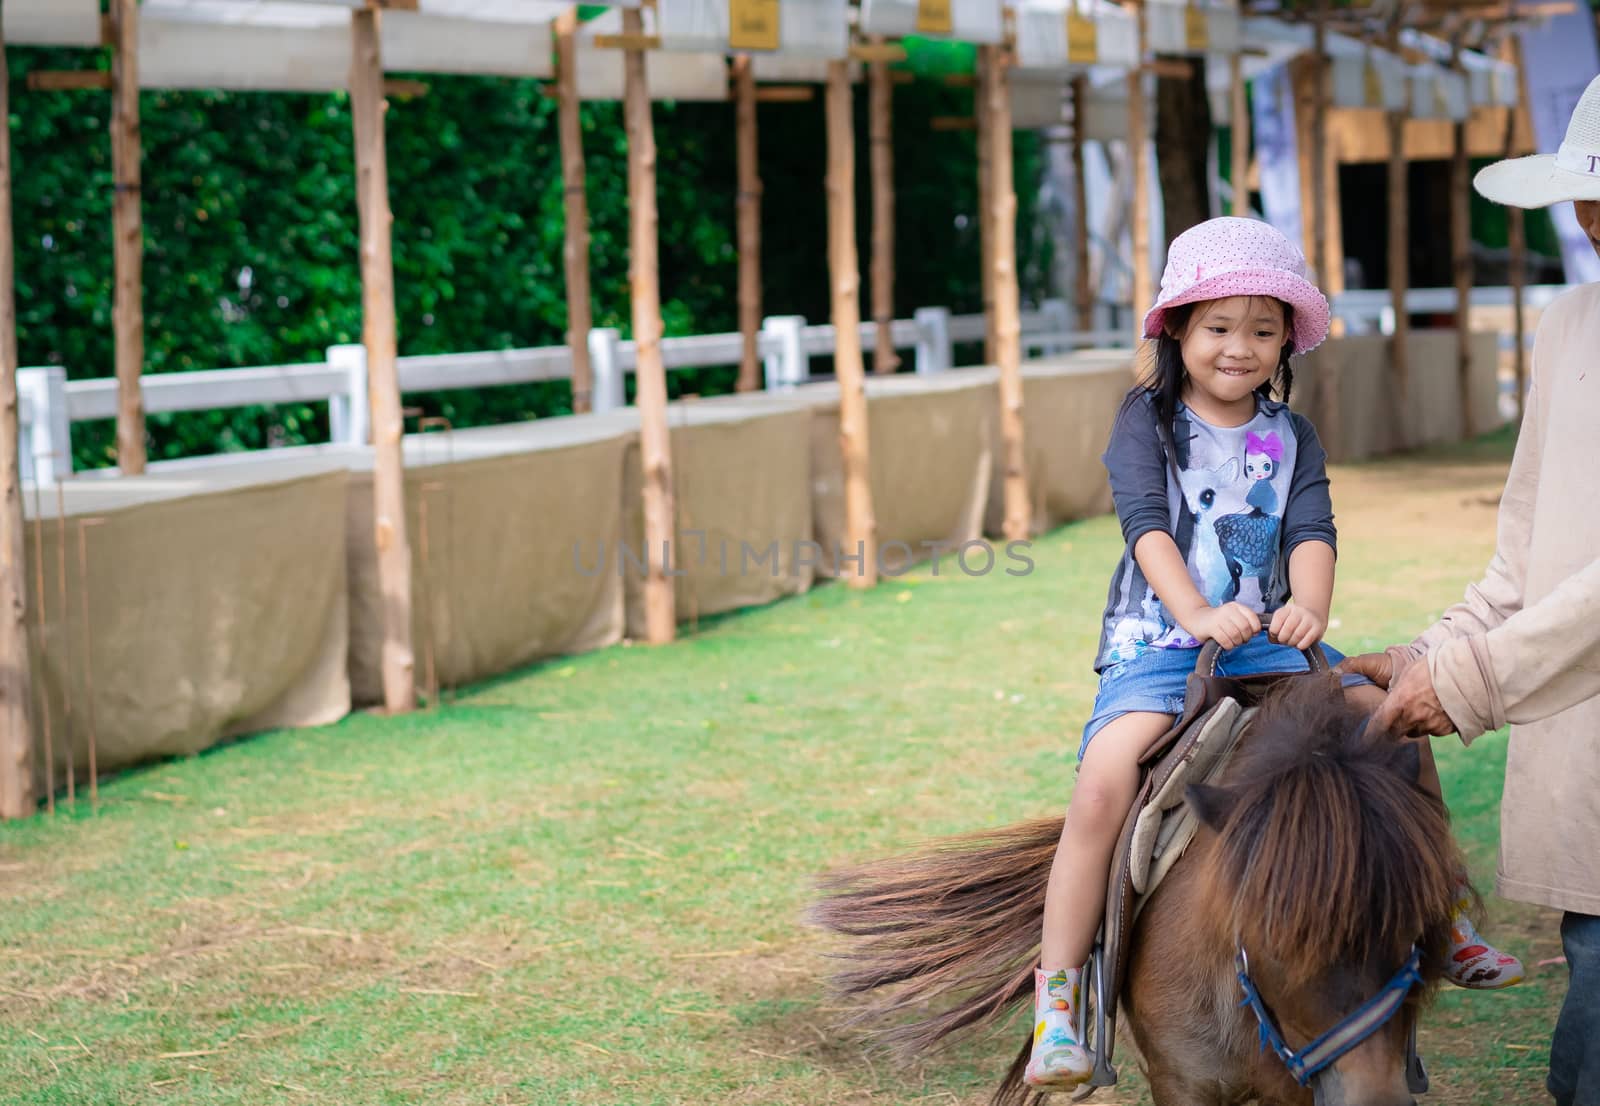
1343, 1037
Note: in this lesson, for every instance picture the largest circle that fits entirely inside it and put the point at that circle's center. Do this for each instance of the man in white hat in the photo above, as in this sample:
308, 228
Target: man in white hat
1523, 647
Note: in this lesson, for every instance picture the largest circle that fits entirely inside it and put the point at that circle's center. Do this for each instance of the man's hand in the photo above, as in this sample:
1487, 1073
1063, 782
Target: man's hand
1297, 626
1413, 708
1377, 667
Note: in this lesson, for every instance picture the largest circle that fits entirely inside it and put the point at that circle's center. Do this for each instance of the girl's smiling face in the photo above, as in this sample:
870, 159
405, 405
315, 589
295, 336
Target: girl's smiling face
1230, 348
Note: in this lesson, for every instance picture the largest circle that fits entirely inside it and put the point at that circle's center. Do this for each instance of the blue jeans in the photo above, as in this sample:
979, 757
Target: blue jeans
1575, 1048
1154, 681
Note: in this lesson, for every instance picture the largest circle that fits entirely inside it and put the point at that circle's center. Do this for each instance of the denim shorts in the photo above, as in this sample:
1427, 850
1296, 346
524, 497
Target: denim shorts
1154, 681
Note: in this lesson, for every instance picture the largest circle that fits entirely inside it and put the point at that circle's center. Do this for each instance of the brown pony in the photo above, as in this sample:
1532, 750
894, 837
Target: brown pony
1319, 855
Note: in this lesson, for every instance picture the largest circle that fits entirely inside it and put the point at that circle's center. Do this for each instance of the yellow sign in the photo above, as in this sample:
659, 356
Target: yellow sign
753, 24
933, 17
1373, 93
1082, 39
1196, 29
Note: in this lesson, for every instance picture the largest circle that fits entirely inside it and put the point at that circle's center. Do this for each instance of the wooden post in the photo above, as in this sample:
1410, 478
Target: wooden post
749, 219
1316, 157
881, 138
1143, 286
655, 442
1080, 187
1517, 231
1461, 259
367, 109
1399, 276
16, 727
980, 114
575, 244
1241, 138
1018, 522
860, 528
127, 235
1319, 173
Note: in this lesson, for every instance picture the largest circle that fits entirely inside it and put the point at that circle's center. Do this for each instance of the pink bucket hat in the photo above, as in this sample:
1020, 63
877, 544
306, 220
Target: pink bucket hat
1240, 257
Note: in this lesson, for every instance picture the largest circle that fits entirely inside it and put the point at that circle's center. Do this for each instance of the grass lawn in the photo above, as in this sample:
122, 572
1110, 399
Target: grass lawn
582, 884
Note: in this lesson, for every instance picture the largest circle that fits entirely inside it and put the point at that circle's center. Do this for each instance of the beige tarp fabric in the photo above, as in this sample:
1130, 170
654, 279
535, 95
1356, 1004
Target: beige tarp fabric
1347, 388
216, 607
505, 572
932, 449
1069, 403
742, 477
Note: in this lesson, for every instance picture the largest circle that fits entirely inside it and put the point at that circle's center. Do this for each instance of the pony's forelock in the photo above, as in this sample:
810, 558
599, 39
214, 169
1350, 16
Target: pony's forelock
1331, 854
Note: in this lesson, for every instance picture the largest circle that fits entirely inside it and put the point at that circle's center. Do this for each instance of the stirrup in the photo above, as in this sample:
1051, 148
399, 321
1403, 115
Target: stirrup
1416, 1074
1105, 1073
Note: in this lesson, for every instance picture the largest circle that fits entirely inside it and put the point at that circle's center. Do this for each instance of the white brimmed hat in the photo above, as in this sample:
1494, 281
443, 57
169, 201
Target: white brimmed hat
1572, 173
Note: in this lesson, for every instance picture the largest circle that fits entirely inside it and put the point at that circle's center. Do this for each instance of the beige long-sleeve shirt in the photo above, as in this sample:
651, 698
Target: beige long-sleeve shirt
1523, 646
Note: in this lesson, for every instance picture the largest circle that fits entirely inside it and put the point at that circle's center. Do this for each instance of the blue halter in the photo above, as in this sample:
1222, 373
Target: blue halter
1349, 1033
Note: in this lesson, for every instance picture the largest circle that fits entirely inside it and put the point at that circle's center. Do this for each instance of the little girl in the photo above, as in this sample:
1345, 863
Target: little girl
1223, 500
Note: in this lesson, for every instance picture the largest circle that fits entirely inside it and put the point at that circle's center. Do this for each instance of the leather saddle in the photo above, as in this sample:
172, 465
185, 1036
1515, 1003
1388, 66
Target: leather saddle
1216, 712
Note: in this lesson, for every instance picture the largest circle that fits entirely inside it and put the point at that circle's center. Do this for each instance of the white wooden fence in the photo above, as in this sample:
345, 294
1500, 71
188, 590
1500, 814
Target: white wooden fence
1372, 309
50, 403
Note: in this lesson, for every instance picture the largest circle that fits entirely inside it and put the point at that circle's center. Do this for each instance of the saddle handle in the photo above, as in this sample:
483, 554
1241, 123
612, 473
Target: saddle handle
1211, 652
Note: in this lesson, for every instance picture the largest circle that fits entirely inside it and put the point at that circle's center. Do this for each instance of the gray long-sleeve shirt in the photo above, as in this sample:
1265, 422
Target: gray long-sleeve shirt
1236, 500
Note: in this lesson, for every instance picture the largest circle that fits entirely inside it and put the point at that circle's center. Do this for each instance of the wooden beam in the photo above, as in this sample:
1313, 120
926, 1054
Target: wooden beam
1080, 187
1168, 67
17, 799
401, 89
954, 123
1319, 146
633, 41
1399, 275
749, 220
127, 223
1517, 234
1138, 131
1461, 260
1018, 519
69, 80
878, 51
575, 242
655, 442
980, 111
383, 386
785, 94
1240, 172
860, 527
880, 115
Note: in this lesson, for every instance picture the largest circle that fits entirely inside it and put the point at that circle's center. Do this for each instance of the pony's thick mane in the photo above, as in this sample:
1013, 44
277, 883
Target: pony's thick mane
1330, 851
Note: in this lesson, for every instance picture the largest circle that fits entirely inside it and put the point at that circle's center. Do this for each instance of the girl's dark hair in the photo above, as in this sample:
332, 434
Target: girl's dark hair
1163, 381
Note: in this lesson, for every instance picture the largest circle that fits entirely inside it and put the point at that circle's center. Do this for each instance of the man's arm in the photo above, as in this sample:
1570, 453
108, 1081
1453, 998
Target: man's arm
1538, 662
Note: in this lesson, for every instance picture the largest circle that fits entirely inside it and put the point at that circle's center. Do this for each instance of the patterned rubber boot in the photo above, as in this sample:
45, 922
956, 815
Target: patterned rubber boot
1473, 963
1058, 1061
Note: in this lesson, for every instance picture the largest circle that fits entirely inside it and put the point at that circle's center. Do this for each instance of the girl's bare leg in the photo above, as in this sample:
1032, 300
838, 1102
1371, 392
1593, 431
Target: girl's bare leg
1075, 898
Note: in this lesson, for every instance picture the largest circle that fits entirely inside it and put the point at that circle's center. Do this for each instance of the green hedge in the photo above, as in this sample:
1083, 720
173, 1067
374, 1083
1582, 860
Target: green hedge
251, 232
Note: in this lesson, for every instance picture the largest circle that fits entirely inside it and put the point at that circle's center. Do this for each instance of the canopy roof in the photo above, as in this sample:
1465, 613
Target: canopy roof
305, 45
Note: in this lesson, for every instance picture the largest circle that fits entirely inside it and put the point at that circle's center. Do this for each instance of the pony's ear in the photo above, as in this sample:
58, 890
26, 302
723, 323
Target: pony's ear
1211, 805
